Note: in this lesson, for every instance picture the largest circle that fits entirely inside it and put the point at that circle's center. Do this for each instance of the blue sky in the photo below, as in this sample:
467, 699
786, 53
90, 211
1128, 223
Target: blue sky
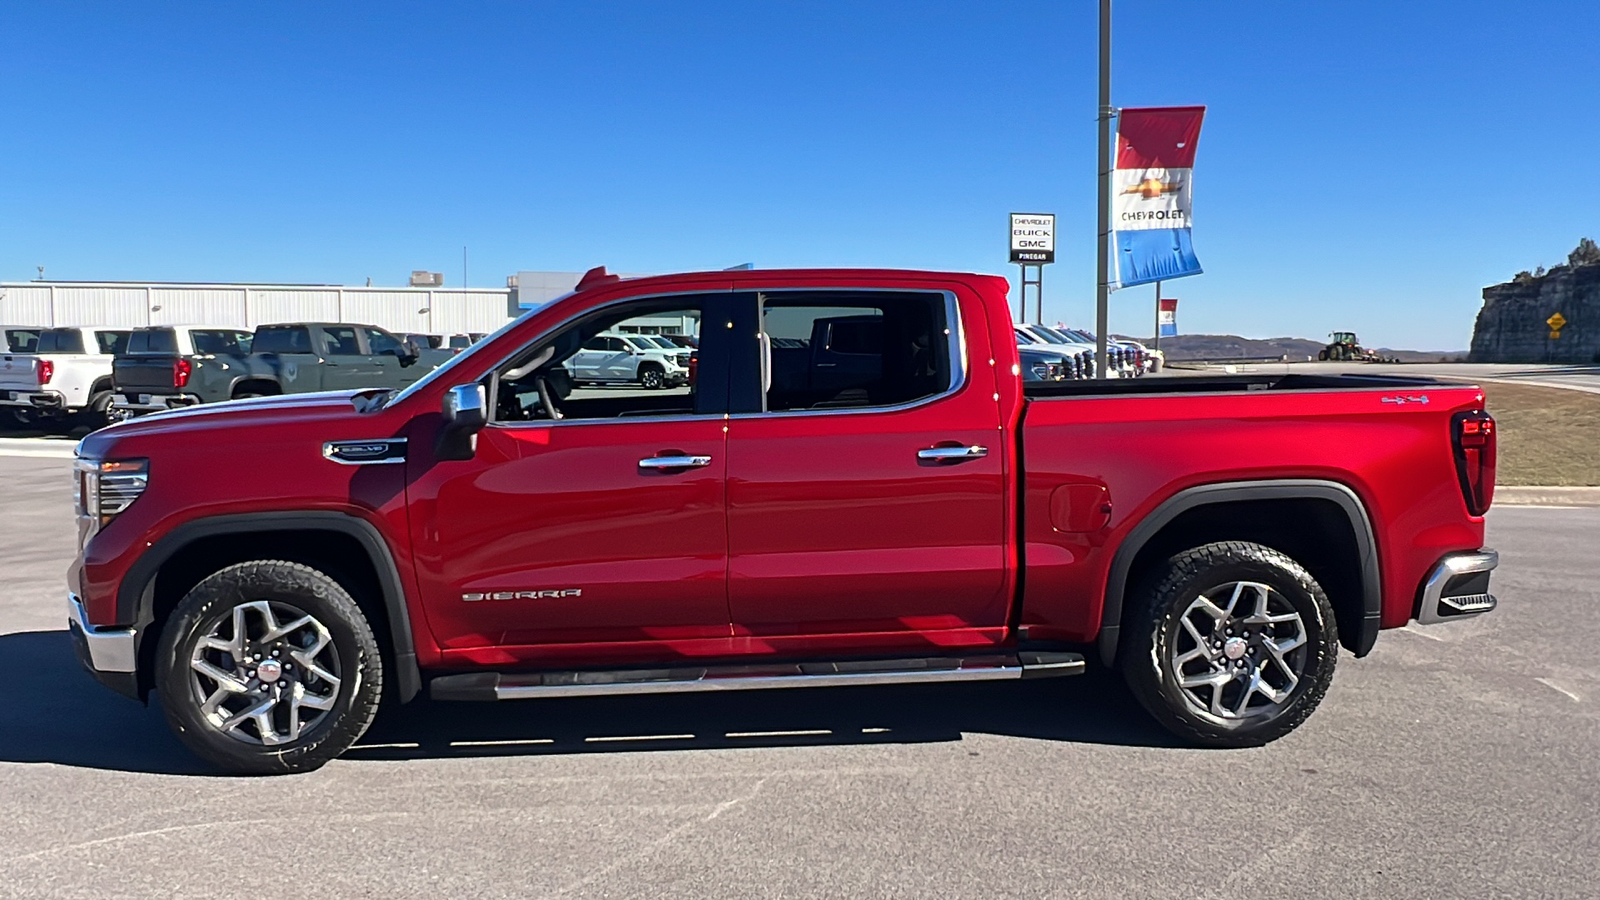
1364, 165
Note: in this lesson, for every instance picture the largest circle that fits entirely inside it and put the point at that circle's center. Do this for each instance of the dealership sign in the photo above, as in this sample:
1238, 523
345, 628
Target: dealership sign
1033, 238
1152, 192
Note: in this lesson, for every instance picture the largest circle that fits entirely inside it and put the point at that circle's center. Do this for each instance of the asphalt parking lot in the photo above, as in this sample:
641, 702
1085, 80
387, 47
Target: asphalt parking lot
1456, 761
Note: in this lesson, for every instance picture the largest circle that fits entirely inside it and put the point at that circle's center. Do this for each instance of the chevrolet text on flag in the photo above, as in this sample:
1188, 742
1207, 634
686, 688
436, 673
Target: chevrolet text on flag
1152, 190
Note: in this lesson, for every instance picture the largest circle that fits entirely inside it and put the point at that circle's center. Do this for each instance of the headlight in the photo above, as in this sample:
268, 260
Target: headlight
104, 488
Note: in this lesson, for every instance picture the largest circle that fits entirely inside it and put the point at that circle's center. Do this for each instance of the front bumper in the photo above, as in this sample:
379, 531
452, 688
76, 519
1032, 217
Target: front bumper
1458, 588
110, 654
153, 402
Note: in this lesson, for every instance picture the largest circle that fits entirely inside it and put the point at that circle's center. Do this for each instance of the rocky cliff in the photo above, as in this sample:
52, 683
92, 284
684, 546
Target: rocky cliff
1511, 326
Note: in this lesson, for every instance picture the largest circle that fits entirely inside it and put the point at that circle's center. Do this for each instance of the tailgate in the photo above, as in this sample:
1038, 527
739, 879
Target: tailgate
149, 373
19, 372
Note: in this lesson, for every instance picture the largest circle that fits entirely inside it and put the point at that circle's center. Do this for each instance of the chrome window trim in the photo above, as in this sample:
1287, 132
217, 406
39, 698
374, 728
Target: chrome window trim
956, 341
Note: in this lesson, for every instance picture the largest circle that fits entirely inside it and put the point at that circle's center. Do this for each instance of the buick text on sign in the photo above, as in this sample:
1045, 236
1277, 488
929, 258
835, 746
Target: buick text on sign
1033, 238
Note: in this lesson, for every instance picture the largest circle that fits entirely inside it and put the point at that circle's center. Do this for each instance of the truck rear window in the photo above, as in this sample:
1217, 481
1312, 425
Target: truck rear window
153, 340
61, 340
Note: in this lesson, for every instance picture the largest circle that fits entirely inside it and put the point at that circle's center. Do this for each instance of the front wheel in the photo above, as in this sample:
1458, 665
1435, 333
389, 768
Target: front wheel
268, 667
651, 378
1232, 645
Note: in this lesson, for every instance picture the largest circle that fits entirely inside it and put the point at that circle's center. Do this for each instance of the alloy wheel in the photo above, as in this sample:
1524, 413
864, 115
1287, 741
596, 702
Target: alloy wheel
266, 674
1240, 651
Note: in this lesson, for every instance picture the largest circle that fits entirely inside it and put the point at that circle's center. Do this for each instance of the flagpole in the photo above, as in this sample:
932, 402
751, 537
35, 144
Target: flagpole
1102, 288
1158, 316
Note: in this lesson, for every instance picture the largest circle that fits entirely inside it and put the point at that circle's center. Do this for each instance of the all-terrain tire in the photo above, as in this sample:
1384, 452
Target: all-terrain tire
1153, 629
288, 586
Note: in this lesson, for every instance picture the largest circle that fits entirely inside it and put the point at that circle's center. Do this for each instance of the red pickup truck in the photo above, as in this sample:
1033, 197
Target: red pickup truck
858, 489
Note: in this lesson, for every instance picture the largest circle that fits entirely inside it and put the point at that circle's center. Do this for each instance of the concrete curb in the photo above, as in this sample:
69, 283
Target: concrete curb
1545, 495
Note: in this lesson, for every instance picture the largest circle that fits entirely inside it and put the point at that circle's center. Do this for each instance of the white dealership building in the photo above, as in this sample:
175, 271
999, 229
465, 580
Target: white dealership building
403, 310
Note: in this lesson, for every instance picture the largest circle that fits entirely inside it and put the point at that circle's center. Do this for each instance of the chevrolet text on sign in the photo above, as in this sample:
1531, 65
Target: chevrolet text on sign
1033, 238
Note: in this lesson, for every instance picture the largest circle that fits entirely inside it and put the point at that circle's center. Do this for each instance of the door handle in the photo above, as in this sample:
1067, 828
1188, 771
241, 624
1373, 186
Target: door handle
953, 453
674, 462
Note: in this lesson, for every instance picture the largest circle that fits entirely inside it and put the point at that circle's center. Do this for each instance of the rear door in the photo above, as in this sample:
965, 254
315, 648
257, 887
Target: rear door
867, 503
345, 367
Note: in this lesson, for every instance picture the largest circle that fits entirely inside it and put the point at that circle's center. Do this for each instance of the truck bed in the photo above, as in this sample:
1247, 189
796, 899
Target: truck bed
1218, 384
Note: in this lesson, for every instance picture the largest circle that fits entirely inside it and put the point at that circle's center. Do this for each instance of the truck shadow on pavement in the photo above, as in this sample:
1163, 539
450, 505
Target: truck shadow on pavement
51, 711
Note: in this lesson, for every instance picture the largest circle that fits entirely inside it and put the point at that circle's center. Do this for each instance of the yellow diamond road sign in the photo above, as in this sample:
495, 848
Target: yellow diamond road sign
1556, 322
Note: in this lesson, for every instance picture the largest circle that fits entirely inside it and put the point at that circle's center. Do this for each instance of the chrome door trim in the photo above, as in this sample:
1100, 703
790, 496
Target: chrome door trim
674, 462
953, 453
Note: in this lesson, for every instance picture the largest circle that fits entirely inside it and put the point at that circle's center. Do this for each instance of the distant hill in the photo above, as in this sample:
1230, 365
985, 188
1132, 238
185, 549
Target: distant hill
1227, 346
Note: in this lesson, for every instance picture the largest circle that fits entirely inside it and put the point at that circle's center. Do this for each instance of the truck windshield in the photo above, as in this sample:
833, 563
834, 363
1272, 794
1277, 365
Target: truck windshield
455, 362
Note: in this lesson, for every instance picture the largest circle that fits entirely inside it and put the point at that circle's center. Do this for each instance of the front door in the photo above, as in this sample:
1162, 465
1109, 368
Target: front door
596, 538
870, 515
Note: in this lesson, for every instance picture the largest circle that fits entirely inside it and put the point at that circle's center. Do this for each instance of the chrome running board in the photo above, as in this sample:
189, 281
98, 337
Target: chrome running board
478, 686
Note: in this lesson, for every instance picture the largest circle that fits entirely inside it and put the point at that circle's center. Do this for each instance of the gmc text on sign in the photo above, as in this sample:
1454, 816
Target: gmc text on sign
1033, 238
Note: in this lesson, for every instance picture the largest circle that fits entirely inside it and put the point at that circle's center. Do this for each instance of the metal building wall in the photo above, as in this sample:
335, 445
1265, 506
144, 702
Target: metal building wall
25, 305
221, 306
124, 306
415, 310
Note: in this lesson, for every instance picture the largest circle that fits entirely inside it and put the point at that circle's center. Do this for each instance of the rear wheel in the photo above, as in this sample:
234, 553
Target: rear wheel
268, 667
98, 413
1233, 645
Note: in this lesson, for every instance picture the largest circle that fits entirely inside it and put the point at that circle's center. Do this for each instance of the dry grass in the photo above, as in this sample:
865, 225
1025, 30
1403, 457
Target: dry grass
1547, 435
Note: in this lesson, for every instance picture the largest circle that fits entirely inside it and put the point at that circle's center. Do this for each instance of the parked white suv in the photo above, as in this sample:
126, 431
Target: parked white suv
67, 377
616, 358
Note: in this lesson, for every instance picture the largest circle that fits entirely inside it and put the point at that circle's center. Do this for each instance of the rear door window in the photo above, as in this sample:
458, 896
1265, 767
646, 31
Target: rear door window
288, 339
827, 350
340, 340
22, 340
220, 343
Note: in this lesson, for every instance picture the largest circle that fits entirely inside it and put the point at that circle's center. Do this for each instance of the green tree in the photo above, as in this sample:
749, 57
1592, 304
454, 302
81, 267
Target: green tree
1587, 254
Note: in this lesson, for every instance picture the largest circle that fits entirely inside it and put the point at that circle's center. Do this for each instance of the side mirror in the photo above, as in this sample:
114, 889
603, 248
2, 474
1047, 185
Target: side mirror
409, 353
464, 416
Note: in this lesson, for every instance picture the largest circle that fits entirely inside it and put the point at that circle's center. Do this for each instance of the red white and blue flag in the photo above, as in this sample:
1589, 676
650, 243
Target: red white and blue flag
1152, 191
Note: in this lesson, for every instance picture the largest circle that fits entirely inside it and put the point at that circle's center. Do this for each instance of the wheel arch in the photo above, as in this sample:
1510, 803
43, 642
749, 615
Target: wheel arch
263, 380
1341, 532
351, 547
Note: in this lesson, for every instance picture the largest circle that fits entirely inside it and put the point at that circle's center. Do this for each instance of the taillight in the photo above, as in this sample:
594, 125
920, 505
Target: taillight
180, 373
1474, 441
694, 368
47, 371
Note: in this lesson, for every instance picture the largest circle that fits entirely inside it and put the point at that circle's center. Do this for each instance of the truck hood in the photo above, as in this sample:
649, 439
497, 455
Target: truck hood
299, 409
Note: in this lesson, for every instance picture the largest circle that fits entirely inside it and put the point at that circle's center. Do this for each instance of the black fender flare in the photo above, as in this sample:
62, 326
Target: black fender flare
1232, 492
136, 593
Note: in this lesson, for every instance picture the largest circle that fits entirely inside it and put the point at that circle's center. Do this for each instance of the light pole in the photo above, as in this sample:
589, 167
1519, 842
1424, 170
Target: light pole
1103, 279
